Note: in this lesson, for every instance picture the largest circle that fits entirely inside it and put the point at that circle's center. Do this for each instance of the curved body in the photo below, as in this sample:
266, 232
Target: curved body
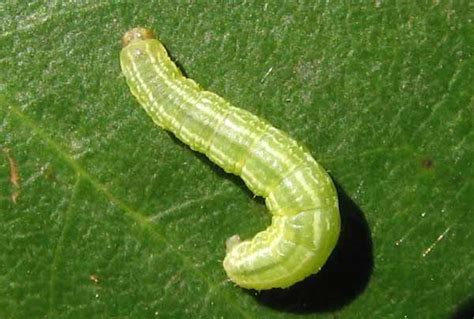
298, 192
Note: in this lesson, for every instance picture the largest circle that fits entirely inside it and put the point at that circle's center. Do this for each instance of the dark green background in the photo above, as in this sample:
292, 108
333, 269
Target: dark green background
116, 218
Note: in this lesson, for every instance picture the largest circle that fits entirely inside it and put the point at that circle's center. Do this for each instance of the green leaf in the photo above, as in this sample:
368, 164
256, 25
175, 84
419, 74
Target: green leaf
103, 214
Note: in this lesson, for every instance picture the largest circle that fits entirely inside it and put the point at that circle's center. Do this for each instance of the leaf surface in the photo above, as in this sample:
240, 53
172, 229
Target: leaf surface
103, 214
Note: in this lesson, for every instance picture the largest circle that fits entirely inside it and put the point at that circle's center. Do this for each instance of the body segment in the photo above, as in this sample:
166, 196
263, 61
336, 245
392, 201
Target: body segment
298, 192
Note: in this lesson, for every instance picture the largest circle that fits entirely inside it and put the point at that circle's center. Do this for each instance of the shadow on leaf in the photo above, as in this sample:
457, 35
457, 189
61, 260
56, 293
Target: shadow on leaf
465, 310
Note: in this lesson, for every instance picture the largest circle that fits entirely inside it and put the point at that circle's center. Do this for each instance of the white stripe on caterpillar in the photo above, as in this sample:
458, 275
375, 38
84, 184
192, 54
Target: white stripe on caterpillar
298, 192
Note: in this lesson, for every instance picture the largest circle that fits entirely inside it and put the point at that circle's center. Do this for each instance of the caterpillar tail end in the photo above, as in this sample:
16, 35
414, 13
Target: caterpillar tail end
231, 242
138, 33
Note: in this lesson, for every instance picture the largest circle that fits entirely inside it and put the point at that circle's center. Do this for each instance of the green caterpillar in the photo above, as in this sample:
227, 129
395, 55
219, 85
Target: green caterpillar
298, 192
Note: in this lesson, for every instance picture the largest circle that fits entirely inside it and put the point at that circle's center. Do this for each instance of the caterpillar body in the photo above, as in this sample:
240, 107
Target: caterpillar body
298, 192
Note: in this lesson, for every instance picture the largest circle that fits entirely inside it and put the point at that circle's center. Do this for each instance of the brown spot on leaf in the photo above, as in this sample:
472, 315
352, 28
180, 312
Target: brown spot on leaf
427, 163
15, 179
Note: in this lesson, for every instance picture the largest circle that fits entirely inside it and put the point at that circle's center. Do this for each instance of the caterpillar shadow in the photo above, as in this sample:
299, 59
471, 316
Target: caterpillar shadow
465, 310
344, 276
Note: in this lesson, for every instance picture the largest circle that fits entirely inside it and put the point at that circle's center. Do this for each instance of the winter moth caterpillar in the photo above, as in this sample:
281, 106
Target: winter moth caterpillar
298, 192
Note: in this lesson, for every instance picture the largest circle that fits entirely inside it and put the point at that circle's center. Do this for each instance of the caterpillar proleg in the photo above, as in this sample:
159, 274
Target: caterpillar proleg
298, 192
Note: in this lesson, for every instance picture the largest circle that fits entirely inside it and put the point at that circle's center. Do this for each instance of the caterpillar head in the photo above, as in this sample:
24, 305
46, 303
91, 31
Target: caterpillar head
137, 34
